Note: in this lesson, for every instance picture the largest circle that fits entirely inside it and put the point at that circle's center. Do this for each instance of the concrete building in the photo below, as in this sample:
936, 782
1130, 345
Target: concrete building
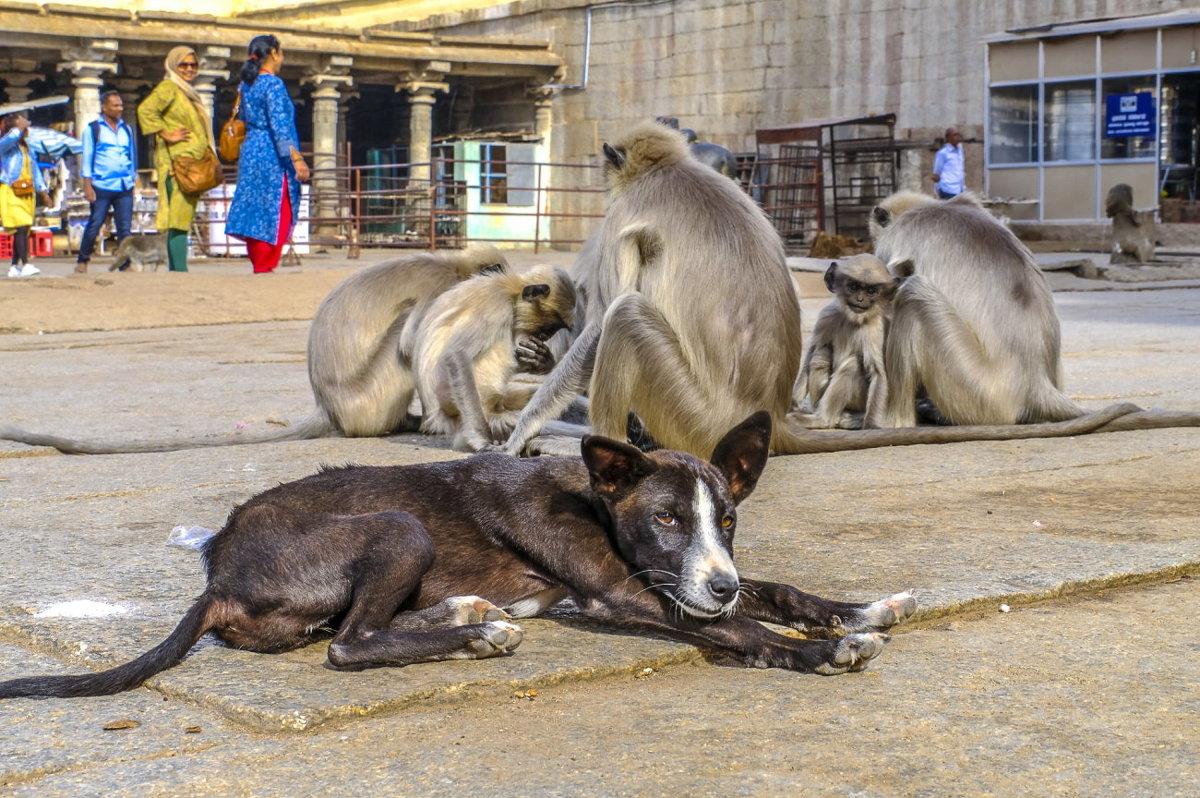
1027, 82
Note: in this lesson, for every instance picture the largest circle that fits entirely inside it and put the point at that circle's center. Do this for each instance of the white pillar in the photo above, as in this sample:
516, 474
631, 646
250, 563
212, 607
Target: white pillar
326, 94
85, 77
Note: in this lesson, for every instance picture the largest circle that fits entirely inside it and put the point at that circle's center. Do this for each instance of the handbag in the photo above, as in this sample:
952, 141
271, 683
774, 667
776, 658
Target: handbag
23, 187
229, 142
197, 175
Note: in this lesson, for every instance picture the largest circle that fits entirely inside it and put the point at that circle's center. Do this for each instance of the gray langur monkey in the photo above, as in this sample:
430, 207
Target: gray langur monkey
692, 322
1133, 231
135, 252
464, 350
362, 381
974, 325
842, 375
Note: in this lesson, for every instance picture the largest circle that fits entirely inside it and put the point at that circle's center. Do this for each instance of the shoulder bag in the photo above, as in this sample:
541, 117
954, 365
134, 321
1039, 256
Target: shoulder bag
229, 142
196, 175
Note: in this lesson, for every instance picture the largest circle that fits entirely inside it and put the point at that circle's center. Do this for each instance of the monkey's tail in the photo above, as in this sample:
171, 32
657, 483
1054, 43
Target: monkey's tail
171, 651
315, 425
790, 438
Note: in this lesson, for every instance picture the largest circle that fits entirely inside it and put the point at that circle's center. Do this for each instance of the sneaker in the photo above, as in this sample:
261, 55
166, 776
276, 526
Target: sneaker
29, 270
14, 271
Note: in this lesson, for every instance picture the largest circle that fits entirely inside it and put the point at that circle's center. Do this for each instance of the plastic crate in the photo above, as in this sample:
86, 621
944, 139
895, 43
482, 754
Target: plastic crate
41, 243
5, 246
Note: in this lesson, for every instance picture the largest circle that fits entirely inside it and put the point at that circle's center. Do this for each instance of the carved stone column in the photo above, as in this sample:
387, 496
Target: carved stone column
213, 61
328, 83
421, 86
16, 86
86, 66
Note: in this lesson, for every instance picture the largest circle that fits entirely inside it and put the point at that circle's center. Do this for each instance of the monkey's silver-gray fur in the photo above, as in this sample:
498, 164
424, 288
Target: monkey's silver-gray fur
692, 321
464, 350
362, 381
842, 375
974, 324
691, 317
135, 252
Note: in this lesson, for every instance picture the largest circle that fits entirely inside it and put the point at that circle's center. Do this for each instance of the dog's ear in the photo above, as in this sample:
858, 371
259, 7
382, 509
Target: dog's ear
742, 454
614, 466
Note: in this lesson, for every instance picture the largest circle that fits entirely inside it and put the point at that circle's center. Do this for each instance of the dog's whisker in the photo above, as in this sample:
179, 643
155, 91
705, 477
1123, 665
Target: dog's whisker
653, 586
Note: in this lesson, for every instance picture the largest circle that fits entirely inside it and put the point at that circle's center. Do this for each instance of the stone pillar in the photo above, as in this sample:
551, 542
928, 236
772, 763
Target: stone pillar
213, 61
421, 86
16, 86
86, 64
85, 76
326, 93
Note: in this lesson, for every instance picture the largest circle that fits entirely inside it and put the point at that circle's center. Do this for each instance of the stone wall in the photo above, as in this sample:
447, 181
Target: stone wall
727, 68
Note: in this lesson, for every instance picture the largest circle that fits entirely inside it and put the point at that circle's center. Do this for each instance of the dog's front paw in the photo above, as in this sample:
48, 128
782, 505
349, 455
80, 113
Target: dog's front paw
882, 614
496, 638
853, 652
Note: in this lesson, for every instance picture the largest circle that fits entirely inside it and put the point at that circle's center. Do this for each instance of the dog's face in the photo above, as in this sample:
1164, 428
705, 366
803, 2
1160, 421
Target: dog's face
675, 515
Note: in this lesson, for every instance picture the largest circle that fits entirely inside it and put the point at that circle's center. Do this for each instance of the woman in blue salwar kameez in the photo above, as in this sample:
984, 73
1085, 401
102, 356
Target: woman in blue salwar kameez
270, 168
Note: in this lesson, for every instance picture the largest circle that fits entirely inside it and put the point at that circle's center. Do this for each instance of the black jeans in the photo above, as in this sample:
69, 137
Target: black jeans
121, 203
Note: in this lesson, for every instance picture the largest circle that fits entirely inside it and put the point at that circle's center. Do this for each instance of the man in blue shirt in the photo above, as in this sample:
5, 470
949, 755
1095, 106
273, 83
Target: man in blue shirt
948, 166
108, 168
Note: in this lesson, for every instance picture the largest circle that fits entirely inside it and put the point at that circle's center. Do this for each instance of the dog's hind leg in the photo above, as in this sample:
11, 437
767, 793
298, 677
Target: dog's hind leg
389, 570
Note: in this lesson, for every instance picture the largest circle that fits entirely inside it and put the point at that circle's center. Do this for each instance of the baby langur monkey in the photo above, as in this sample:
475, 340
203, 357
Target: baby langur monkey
471, 342
843, 375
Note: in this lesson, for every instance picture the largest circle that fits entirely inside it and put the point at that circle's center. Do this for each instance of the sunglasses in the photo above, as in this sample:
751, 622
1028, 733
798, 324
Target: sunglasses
188, 65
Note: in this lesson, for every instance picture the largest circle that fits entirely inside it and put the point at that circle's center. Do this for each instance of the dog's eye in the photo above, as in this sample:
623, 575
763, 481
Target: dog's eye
727, 522
666, 519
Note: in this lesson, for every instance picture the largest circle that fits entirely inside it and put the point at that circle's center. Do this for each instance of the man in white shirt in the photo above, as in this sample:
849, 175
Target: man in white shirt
948, 166
108, 168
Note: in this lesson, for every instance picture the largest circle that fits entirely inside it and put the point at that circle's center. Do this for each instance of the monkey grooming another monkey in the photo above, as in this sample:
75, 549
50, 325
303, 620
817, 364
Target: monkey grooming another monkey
464, 350
135, 252
363, 384
842, 375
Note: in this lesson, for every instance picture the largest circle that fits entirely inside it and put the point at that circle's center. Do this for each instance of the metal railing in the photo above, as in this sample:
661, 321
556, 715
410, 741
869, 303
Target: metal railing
425, 206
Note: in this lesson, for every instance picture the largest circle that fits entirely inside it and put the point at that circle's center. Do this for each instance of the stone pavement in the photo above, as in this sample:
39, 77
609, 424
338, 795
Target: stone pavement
1088, 685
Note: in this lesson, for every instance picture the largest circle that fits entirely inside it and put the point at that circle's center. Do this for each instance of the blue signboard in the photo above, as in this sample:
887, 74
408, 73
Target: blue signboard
1129, 114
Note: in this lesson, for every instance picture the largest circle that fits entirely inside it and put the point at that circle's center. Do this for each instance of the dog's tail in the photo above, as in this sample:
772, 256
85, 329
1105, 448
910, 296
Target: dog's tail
197, 621
314, 425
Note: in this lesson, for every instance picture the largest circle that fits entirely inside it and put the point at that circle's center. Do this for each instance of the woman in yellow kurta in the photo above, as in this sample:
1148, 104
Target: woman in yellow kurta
174, 112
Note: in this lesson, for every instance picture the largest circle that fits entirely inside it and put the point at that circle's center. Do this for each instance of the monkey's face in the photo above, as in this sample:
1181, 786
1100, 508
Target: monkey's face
861, 297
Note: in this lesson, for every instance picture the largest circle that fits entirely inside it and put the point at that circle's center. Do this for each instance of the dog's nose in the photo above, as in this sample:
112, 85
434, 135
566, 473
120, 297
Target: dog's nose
723, 587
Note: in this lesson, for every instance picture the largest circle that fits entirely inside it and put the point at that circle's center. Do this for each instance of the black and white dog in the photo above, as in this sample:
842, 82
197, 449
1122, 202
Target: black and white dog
388, 556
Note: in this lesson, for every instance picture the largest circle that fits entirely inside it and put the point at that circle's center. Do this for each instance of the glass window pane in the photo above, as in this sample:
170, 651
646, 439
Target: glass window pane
1013, 127
1127, 146
1071, 121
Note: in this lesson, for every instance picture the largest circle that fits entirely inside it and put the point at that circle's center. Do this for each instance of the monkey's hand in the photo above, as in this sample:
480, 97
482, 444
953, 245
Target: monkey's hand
533, 356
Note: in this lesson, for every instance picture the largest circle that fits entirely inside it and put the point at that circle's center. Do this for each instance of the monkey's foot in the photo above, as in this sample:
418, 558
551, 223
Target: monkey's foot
853, 652
882, 614
495, 639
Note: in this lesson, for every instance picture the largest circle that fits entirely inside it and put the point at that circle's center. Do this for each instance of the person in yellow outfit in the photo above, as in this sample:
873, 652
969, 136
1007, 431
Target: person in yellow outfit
174, 113
20, 179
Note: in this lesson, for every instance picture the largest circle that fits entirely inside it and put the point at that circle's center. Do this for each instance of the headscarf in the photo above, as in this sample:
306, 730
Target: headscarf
176, 55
